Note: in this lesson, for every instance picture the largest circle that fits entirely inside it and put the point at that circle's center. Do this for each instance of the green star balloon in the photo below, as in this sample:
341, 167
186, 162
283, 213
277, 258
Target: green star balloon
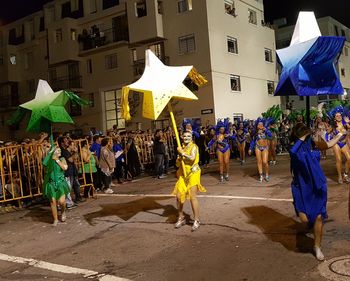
49, 107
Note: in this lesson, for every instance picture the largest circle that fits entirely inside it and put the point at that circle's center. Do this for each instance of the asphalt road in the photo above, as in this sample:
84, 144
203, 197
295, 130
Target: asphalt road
249, 232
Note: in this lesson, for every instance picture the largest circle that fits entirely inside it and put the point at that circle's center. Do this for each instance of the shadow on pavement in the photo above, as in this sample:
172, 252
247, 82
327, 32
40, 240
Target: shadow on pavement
280, 228
127, 210
40, 214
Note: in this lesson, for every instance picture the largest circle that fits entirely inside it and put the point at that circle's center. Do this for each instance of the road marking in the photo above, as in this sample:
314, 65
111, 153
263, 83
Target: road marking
200, 196
61, 268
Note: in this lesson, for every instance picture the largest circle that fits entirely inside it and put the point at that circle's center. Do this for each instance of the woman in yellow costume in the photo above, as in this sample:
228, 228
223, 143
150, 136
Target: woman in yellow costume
187, 187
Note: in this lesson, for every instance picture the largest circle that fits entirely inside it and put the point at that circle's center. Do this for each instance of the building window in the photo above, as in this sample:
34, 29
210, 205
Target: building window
91, 100
73, 34
75, 109
346, 51
134, 55
268, 55
230, 8
89, 66
19, 30
343, 33
74, 4
184, 6
13, 59
42, 24
140, 8
113, 109
342, 71
187, 44
58, 35
111, 61
235, 81
252, 17
270, 88
160, 7
109, 4
232, 46
158, 50
93, 6
31, 30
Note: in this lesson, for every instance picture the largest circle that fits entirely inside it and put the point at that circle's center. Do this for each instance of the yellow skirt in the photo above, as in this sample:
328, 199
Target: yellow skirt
182, 186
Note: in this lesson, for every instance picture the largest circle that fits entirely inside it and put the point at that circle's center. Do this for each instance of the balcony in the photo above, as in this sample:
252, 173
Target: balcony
99, 38
66, 83
139, 65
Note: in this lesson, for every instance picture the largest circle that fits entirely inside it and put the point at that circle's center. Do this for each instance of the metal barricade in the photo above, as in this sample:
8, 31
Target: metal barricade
86, 179
21, 172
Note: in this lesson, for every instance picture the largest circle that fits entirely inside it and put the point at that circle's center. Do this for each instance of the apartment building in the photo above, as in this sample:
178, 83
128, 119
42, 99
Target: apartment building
94, 47
328, 27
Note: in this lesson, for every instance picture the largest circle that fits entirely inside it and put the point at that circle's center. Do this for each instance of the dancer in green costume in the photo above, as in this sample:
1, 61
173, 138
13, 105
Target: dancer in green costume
55, 184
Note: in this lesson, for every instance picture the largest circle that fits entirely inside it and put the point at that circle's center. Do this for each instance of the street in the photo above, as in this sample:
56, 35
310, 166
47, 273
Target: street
249, 232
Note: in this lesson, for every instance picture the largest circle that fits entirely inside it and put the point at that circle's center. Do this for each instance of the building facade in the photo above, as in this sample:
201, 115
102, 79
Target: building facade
94, 47
328, 27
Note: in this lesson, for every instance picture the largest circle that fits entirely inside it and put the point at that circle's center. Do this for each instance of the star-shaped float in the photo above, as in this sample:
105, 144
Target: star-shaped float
159, 84
47, 107
309, 62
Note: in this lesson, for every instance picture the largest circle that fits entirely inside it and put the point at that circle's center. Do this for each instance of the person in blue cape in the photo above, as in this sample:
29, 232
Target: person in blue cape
260, 144
221, 139
309, 185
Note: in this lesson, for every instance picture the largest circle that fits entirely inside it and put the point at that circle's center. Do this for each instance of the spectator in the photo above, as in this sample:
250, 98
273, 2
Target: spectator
89, 167
107, 163
159, 154
95, 148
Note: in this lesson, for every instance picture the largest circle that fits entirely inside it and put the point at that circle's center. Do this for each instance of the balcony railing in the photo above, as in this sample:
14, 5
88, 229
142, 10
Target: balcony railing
99, 38
66, 83
139, 65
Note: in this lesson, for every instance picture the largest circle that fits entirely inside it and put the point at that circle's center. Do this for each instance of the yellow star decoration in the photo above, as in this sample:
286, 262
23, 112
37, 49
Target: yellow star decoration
159, 84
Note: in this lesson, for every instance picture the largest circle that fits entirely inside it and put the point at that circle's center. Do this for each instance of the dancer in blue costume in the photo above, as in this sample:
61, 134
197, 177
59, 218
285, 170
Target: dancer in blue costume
221, 139
241, 135
309, 185
260, 143
340, 124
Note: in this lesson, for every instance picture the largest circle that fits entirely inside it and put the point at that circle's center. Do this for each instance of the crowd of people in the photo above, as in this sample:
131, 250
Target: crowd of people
124, 155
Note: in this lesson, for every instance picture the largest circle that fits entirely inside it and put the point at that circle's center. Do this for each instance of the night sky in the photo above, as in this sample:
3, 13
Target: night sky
339, 9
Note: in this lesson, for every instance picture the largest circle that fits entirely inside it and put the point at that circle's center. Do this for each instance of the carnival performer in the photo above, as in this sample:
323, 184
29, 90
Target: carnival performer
187, 187
340, 125
221, 139
309, 185
55, 185
321, 129
241, 135
273, 114
260, 143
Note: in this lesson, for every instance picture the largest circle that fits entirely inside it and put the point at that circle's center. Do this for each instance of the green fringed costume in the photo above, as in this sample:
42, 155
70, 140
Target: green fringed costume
55, 184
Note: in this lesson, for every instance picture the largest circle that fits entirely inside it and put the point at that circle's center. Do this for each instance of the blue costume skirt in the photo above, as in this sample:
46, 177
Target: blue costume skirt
311, 202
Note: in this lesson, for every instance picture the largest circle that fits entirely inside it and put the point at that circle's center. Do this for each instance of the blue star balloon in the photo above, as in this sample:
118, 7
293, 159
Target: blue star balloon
309, 62
309, 68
